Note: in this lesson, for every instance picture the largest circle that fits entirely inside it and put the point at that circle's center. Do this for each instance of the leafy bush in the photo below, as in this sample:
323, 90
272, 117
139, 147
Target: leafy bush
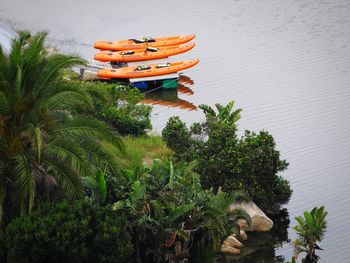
250, 164
124, 111
181, 140
177, 135
73, 233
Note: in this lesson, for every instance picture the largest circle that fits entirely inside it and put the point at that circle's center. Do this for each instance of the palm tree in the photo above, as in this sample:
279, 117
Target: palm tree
47, 139
225, 114
310, 230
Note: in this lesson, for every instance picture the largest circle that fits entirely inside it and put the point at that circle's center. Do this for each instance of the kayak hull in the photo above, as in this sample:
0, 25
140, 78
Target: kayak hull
142, 54
131, 44
132, 72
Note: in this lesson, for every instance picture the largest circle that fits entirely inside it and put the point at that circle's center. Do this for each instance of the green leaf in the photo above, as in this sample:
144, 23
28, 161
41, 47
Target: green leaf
207, 110
101, 180
118, 205
180, 211
138, 192
171, 175
308, 219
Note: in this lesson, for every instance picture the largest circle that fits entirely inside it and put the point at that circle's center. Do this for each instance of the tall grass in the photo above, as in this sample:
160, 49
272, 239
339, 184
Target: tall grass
142, 149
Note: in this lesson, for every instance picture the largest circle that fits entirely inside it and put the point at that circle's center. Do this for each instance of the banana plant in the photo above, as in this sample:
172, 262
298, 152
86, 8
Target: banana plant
224, 114
310, 230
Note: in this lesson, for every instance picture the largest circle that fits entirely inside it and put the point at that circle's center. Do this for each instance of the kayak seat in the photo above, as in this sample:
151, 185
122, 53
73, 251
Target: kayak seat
148, 39
152, 49
143, 40
137, 41
139, 68
129, 52
164, 65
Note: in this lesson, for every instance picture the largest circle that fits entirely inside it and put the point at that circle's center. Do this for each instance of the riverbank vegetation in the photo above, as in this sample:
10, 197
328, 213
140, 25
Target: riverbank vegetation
81, 179
248, 164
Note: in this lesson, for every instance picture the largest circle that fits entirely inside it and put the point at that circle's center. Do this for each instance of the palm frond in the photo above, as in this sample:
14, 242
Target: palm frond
67, 99
50, 72
101, 153
4, 106
24, 180
69, 152
90, 127
69, 181
17, 47
32, 54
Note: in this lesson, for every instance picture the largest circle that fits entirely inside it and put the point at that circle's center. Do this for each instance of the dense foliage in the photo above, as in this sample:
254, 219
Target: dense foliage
47, 138
171, 214
81, 232
124, 112
250, 163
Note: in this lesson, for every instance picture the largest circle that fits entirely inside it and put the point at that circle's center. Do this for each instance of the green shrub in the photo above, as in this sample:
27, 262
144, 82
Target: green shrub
73, 233
124, 112
250, 164
179, 138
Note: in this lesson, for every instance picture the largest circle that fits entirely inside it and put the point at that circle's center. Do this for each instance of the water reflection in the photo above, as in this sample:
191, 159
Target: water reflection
170, 98
185, 80
184, 89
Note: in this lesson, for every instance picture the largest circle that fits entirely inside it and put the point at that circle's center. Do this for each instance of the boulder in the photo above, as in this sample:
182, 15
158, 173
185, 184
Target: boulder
243, 235
260, 222
233, 242
229, 250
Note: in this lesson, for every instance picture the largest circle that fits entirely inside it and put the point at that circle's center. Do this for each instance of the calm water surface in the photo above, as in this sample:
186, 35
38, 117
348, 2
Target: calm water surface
286, 63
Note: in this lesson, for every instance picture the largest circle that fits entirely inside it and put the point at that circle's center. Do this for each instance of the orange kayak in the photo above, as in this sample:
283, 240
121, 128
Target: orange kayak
143, 42
148, 53
146, 70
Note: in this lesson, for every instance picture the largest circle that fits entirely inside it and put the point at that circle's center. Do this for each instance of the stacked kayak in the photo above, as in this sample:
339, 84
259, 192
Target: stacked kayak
148, 53
139, 60
143, 42
146, 70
